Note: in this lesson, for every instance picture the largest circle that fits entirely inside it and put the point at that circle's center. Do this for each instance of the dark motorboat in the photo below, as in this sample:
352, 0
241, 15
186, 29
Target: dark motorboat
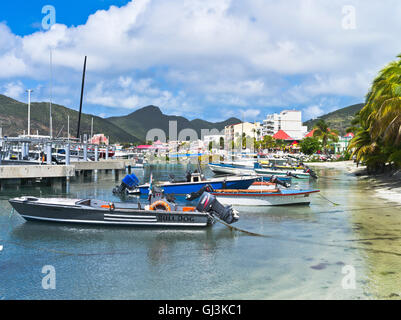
160, 211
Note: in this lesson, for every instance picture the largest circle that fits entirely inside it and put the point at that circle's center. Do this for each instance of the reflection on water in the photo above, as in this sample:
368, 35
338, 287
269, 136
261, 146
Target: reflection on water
303, 258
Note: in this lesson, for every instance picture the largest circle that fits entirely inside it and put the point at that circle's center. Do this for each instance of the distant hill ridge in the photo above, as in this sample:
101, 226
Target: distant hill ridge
141, 121
131, 128
337, 120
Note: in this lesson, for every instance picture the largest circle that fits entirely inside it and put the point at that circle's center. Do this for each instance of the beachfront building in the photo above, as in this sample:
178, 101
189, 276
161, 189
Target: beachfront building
342, 145
234, 132
289, 121
100, 139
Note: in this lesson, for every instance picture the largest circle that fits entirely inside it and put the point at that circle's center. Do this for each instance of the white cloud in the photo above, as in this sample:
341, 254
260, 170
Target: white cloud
312, 112
224, 53
14, 90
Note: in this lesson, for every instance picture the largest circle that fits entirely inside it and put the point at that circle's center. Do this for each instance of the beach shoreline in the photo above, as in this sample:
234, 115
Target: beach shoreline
385, 186
378, 230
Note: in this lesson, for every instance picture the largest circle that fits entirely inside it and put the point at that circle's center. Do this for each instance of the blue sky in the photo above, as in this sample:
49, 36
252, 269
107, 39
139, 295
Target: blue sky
199, 58
25, 17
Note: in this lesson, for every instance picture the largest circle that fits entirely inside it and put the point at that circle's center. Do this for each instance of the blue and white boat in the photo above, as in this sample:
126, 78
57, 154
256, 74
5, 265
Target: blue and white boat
244, 169
258, 197
193, 183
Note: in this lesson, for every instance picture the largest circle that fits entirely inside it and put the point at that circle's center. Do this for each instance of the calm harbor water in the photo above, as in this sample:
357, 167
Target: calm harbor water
304, 257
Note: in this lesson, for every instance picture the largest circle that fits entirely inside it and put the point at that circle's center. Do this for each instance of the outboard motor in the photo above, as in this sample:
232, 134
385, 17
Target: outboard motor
196, 195
311, 172
276, 180
129, 182
209, 203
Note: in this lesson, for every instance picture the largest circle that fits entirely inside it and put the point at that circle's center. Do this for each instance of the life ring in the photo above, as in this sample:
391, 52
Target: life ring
160, 203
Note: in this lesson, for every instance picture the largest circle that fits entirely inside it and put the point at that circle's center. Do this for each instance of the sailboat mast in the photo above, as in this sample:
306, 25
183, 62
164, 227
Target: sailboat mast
82, 96
51, 93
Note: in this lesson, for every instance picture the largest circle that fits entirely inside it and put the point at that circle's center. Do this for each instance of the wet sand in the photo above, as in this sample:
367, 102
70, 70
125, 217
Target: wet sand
378, 231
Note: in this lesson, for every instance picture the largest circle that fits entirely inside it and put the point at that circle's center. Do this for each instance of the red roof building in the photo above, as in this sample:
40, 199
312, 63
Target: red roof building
281, 135
310, 134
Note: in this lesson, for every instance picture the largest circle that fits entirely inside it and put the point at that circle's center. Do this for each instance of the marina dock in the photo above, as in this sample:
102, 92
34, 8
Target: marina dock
89, 158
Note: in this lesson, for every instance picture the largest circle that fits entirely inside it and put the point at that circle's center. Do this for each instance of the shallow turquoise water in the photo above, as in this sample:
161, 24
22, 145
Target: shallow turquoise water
303, 258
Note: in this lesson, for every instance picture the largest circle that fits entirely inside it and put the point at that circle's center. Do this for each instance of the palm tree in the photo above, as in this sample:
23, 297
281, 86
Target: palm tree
326, 135
382, 112
268, 142
378, 140
258, 132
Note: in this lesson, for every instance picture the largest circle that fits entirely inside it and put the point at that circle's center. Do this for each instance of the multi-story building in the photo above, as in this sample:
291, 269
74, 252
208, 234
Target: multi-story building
290, 121
234, 132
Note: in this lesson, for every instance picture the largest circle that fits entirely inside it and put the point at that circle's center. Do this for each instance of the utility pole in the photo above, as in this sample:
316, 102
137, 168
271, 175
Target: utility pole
29, 111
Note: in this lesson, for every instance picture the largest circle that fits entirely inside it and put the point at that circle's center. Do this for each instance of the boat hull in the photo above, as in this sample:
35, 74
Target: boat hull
230, 169
266, 199
68, 213
281, 173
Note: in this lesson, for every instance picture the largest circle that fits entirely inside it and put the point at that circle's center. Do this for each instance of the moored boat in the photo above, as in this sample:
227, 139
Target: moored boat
232, 169
193, 182
266, 196
298, 174
160, 212
263, 197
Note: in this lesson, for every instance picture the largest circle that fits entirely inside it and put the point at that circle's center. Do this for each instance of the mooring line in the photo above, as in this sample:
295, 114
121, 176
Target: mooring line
335, 204
241, 230
358, 209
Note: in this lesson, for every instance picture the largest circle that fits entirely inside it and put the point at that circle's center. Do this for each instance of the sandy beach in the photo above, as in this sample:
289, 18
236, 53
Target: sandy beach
386, 186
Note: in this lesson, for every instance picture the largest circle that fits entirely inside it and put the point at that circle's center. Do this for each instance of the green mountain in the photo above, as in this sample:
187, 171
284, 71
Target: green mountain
14, 120
338, 120
131, 128
141, 121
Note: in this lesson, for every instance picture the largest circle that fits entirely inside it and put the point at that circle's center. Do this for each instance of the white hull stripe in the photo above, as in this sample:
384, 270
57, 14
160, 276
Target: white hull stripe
130, 220
129, 217
121, 223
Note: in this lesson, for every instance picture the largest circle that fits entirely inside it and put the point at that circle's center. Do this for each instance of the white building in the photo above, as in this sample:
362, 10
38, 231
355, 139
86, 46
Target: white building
215, 139
290, 121
234, 132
